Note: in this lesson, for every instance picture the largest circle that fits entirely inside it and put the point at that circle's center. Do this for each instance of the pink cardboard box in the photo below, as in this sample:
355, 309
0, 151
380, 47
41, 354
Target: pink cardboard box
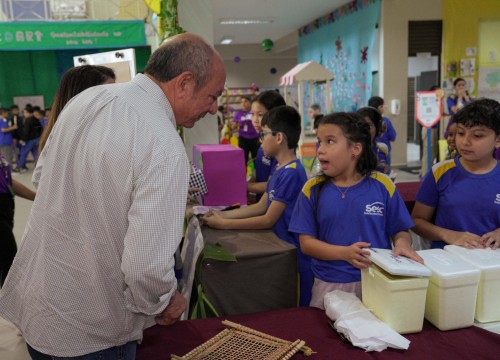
225, 173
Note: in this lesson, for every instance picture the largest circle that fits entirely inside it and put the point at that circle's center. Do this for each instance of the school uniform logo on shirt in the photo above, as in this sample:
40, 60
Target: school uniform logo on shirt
497, 200
376, 208
266, 160
271, 195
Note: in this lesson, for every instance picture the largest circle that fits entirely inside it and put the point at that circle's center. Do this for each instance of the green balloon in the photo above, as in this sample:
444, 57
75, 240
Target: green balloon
267, 44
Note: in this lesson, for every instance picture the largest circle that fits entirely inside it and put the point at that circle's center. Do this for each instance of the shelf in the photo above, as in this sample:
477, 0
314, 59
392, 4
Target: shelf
232, 96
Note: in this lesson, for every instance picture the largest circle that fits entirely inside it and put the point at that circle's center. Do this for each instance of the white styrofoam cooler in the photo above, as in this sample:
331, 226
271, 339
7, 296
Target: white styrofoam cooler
399, 301
488, 293
452, 291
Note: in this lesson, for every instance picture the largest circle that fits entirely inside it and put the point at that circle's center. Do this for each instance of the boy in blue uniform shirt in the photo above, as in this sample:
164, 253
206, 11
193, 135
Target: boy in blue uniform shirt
280, 135
463, 193
6, 140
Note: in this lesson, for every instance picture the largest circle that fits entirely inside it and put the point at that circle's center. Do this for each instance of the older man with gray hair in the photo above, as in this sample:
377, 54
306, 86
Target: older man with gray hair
95, 266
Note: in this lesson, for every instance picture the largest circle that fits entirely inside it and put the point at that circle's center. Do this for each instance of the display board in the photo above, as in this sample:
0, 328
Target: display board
121, 61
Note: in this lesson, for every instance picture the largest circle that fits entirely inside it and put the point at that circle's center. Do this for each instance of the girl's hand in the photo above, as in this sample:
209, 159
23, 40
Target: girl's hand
491, 239
214, 219
466, 239
401, 249
355, 255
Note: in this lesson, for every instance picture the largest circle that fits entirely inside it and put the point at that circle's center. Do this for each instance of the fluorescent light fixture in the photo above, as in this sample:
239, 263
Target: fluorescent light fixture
245, 21
226, 40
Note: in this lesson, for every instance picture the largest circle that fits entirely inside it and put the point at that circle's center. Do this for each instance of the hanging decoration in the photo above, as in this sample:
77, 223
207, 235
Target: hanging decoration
273, 70
345, 10
267, 44
364, 55
154, 5
236, 59
338, 44
168, 19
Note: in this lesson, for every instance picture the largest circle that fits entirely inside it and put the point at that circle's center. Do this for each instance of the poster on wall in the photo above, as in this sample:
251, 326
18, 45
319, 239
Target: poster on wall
489, 83
427, 108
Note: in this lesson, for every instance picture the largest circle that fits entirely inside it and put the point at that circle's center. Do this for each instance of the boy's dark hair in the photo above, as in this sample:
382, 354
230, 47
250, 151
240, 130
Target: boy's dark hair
373, 115
270, 99
484, 112
375, 101
14, 107
29, 108
356, 130
247, 97
284, 119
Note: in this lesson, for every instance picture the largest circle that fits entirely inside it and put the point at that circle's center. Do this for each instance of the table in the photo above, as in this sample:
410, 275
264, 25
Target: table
263, 278
310, 325
408, 191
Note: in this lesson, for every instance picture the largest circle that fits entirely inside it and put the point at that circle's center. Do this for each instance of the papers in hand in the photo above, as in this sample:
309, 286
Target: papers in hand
397, 265
359, 325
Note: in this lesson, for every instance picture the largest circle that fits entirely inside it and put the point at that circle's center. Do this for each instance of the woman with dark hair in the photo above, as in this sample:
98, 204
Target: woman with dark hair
457, 100
73, 82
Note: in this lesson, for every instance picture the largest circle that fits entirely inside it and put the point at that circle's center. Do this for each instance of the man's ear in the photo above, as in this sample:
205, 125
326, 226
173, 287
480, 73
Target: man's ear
185, 84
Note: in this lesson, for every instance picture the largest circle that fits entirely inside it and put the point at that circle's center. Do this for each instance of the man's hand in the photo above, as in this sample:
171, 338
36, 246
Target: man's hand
173, 311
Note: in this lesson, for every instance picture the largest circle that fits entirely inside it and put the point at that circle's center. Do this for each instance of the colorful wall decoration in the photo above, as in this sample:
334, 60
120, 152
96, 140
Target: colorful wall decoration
342, 41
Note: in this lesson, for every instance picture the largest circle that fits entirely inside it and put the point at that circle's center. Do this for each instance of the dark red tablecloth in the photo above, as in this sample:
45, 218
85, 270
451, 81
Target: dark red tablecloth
408, 191
310, 325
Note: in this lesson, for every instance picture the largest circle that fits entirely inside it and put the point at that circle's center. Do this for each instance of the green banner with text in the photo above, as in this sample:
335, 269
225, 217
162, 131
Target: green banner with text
71, 35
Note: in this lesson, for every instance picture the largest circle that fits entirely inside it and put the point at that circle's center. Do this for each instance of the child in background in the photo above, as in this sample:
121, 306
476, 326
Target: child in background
463, 193
451, 152
40, 115
31, 137
315, 169
348, 209
264, 165
280, 136
6, 139
313, 111
387, 132
374, 119
248, 137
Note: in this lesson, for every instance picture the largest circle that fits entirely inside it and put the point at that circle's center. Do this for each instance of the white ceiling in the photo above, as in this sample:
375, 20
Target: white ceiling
287, 15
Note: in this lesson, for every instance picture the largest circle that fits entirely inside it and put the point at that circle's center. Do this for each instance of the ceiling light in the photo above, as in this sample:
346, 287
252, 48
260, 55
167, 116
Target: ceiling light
245, 21
226, 40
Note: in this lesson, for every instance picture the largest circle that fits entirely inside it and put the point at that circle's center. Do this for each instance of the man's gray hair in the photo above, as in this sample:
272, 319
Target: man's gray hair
180, 54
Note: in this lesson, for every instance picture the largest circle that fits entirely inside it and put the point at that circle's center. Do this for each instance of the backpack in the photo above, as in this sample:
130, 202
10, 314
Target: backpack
5, 177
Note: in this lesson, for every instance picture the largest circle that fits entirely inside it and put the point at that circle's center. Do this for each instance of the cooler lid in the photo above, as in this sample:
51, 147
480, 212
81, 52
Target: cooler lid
484, 259
446, 266
397, 265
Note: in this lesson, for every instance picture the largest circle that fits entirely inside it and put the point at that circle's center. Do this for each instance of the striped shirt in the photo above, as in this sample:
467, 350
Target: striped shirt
96, 261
